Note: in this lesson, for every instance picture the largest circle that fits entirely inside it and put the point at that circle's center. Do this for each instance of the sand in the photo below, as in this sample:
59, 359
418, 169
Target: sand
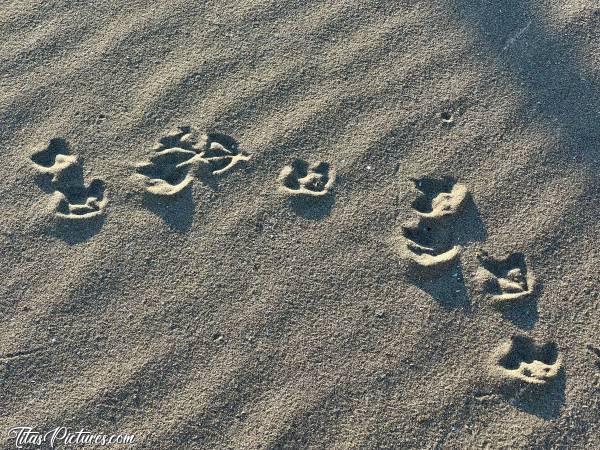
301, 224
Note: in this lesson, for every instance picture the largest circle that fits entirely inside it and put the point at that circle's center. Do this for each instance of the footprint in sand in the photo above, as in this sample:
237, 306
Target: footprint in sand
505, 280
71, 198
523, 360
303, 179
183, 154
430, 240
438, 197
430, 243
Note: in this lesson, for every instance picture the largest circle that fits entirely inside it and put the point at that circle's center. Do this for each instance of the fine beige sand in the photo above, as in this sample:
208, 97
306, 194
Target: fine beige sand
265, 224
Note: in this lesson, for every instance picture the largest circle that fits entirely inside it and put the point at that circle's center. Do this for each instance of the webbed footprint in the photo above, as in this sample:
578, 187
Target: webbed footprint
303, 179
521, 359
439, 197
429, 243
505, 280
81, 202
71, 199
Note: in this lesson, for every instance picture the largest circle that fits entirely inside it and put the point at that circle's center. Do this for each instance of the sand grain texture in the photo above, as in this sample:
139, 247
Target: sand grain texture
275, 297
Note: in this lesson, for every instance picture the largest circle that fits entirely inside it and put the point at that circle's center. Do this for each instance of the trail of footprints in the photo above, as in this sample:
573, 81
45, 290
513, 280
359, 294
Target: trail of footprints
179, 157
429, 241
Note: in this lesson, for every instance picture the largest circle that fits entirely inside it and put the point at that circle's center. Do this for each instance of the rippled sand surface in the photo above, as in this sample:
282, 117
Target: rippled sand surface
301, 224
